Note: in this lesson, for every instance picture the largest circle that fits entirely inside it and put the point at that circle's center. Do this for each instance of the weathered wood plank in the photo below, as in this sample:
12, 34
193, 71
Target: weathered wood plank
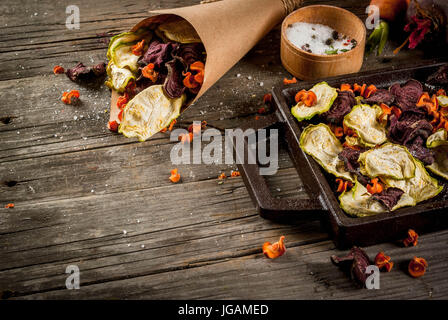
304, 272
201, 239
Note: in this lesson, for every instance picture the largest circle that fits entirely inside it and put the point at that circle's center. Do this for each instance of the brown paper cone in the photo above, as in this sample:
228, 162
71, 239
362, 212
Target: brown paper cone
228, 30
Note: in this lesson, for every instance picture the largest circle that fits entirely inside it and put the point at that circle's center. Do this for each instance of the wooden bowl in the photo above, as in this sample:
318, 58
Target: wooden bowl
309, 66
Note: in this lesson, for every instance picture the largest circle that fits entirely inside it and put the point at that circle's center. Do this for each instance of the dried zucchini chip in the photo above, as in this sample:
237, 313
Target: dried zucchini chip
443, 100
118, 77
319, 142
325, 97
178, 31
121, 53
438, 138
421, 187
440, 164
358, 202
127, 37
149, 112
438, 141
363, 120
389, 160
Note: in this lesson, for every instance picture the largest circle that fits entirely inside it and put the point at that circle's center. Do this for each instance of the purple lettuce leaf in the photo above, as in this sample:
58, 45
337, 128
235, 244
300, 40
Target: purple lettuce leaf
80, 72
412, 130
189, 53
350, 157
355, 262
173, 85
406, 96
158, 53
342, 105
388, 197
380, 96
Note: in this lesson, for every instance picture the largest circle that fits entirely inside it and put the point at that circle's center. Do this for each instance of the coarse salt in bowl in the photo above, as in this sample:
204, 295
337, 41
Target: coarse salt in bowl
316, 64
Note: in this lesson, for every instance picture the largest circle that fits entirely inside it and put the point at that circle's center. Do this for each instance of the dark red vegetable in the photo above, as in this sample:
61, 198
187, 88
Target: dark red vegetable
355, 262
426, 20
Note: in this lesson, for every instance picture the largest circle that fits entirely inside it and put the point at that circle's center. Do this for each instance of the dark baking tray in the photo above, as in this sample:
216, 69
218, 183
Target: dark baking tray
323, 203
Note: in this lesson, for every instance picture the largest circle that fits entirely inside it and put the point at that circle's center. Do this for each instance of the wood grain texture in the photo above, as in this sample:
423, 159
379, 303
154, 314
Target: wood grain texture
77, 187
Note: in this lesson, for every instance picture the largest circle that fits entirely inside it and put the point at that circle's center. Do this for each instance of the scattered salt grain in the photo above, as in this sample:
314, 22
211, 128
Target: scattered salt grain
318, 38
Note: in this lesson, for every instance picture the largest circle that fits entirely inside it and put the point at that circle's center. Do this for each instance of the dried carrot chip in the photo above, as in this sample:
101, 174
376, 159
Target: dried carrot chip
441, 92
113, 126
9, 206
274, 250
122, 100
172, 124
199, 67
189, 81
417, 267
309, 98
175, 176
222, 176
412, 238
374, 187
149, 72
71, 97
58, 70
383, 262
386, 111
137, 49
368, 91
346, 87
289, 81
235, 174
359, 89
343, 185
120, 115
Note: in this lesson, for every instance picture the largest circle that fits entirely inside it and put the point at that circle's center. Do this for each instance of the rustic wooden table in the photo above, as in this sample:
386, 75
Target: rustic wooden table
84, 196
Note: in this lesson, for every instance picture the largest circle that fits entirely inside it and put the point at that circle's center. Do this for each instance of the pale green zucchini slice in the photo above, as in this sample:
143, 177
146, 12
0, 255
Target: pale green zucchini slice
149, 112
121, 52
358, 202
443, 100
389, 160
440, 164
325, 97
363, 120
319, 142
421, 187
438, 138
127, 37
118, 78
